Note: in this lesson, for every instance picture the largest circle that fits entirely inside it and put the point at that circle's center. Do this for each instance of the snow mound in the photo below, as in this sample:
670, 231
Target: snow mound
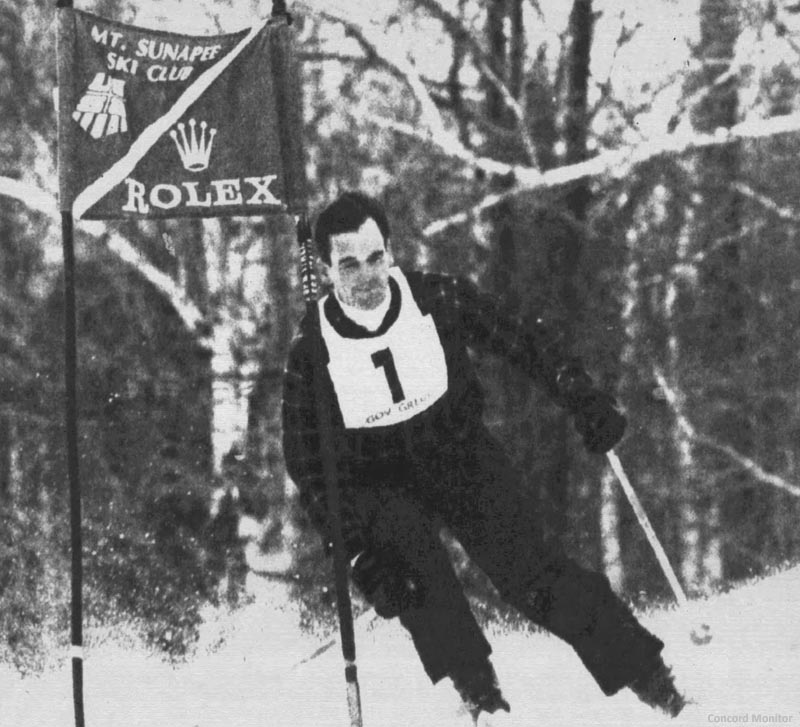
254, 669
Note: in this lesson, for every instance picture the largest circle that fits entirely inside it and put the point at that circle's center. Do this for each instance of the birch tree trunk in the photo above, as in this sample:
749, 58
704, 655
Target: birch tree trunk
186, 241
279, 310
690, 519
610, 532
10, 471
716, 229
236, 278
6, 459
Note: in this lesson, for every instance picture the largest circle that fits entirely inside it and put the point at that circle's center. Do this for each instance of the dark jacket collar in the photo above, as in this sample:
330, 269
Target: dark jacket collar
348, 328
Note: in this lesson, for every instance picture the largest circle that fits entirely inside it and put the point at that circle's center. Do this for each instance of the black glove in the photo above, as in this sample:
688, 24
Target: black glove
598, 421
597, 418
385, 583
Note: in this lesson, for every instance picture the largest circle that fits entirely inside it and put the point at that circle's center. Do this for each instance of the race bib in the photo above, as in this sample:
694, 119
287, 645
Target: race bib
390, 378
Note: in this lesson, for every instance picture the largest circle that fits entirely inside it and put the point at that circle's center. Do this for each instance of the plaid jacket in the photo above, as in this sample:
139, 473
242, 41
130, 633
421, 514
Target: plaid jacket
464, 318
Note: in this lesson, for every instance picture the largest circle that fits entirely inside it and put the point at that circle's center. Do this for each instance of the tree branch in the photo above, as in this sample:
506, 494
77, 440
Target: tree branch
364, 61
758, 472
687, 268
460, 218
688, 103
41, 201
538, 8
617, 162
400, 63
189, 313
785, 213
455, 27
451, 147
33, 197
343, 58
454, 86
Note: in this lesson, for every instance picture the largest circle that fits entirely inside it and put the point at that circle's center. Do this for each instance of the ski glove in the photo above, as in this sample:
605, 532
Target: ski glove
599, 422
597, 419
385, 583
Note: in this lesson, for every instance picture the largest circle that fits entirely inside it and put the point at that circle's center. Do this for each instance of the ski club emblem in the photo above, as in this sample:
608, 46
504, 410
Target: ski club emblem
194, 150
101, 110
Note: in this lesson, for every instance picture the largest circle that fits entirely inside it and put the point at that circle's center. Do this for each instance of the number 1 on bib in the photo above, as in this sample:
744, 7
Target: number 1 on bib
384, 359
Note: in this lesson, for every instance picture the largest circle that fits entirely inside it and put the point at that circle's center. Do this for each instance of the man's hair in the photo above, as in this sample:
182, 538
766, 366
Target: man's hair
346, 214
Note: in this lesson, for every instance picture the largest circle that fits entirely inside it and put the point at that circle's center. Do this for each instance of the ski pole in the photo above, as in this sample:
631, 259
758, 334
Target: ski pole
701, 635
369, 616
344, 608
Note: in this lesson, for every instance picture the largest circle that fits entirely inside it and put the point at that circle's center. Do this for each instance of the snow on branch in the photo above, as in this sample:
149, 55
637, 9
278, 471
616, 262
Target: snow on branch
33, 197
397, 59
703, 93
461, 218
451, 147
189, 313
616, 162
456, 28
39, 200
688, 267
758, 472
785, 213
538, 8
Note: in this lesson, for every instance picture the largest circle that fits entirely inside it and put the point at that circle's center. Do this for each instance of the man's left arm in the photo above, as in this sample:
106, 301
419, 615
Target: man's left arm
539, 350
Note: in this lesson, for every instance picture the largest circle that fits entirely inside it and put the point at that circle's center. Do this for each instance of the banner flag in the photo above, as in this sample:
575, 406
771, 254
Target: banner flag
155, 124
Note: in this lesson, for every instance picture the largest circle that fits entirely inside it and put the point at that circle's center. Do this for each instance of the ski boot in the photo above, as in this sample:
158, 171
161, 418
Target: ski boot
480, 692
656, 688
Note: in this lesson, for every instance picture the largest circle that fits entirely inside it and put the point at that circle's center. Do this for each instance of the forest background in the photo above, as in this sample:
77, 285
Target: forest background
623, 169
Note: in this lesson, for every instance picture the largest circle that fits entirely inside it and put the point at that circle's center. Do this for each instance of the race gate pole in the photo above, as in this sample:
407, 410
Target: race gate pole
71, 409
308, 280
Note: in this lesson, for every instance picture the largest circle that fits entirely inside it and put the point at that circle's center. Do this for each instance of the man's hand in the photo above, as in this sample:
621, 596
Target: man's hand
598, 421
383, 580
597, 418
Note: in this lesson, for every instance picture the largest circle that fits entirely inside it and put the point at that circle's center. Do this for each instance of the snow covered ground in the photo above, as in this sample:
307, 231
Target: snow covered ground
248, 673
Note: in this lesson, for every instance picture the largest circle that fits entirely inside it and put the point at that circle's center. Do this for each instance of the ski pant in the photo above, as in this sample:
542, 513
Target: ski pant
480, 497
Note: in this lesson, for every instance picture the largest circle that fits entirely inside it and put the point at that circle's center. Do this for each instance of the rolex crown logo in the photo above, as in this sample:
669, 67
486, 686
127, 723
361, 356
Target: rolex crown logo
195, 149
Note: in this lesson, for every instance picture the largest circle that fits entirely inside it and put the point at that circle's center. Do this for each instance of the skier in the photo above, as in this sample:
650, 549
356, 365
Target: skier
413, 455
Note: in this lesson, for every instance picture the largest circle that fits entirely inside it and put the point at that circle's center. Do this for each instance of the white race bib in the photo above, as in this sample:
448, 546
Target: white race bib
390, 378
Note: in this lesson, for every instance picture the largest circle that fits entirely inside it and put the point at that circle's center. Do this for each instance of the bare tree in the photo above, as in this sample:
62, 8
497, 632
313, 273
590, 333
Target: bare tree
716, 227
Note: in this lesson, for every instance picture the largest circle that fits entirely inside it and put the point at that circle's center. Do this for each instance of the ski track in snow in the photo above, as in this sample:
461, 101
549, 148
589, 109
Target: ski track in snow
254, 678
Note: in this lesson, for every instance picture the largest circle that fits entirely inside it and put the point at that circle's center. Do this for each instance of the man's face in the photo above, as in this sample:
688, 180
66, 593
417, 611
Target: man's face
359, 268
